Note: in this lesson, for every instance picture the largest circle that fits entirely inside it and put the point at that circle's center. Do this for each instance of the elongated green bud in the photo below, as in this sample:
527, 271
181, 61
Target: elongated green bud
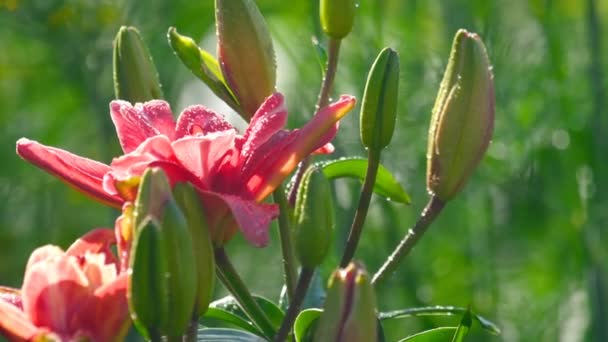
349, 313
190, 204
203, 65
379, 107
337, 17
135, 76
314, 218
463, 117
163, 281
245, 53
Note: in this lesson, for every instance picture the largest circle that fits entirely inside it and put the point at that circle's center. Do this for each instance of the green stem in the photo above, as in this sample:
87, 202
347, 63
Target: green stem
326, 86
373, 161
289, 262
428, 215
228, 275
294, 307
333, 53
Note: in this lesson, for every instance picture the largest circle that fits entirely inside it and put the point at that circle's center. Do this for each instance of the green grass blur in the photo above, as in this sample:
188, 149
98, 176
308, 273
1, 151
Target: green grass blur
524, 244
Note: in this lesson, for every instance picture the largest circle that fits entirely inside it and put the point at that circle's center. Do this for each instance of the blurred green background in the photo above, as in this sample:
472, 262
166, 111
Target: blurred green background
525, 244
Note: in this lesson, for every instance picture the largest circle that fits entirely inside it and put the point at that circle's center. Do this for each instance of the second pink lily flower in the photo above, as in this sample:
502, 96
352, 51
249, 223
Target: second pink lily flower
232, 172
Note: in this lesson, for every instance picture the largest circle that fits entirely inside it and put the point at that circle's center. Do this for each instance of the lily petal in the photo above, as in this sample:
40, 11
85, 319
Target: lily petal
268, 120
42, 254
252, 218
134, 124
54, 291
14, 324
157, 148
12, 296
85, 175
109, 303
205, 155
96, 241
316, 133
199, 119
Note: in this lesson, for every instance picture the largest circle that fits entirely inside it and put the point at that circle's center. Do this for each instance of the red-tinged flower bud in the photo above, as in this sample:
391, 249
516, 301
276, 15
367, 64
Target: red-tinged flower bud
135, 76
314, 218
163, 281
349, 313
337, 17
379, 108
189, 202
463, 117
245, 53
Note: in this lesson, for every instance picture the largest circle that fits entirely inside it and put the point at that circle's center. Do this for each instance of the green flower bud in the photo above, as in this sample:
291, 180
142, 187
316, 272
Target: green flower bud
463, 117
379, 107
203, 65
314, 218
189, 202
135, 76
163, 282
337, 17
349, 313
245, 53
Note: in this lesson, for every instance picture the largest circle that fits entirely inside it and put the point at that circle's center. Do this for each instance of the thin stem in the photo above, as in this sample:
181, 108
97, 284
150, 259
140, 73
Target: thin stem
365, 196
428, 215
330, 73
228, 275
294, 307
289, 262
327, 84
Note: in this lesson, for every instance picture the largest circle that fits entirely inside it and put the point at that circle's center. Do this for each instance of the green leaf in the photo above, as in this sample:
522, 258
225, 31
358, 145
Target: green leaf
203, 65
229, 304
463, 327
223, 334
304, 322
386, 185
439, 311
220, 318
433, 335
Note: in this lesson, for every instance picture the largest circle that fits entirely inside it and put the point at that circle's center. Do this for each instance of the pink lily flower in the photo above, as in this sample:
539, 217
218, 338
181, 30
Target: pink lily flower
234, 173
68, 296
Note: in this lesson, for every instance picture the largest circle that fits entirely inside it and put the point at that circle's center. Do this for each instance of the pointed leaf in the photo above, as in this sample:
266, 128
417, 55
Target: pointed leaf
433, 335
386, 184
463, 327
304, 324
439, 311
229, 304
203, 65
222, 335
220, 318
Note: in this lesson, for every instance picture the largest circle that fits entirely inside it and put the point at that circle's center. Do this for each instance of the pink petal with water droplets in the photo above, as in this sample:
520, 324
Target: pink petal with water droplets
157, 148
316, 133
252, 218
199, 119
134, 124
83, 174
268, 120
204, 156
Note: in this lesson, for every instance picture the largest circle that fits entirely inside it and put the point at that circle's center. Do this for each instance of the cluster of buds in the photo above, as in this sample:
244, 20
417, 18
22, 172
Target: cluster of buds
185, 186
